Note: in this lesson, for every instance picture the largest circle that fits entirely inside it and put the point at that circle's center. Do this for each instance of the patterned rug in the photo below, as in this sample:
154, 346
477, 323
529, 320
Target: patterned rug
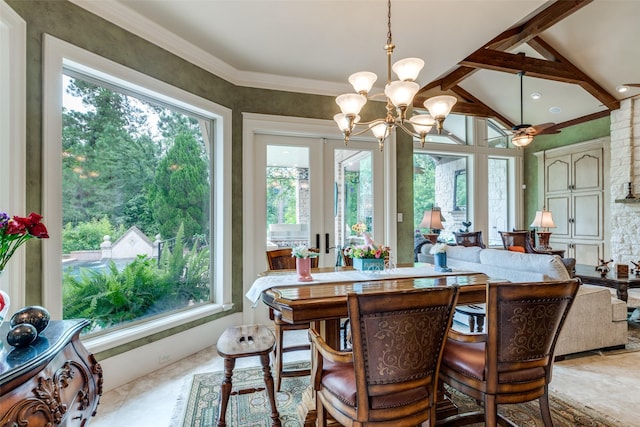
200, 407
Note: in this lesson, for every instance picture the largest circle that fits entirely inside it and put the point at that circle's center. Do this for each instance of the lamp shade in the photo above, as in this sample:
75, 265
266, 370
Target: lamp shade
380, 130
343, 121
422, 123
432, 219
440, 106
351, 103
401, 93
543, 219
408, 69
362, 81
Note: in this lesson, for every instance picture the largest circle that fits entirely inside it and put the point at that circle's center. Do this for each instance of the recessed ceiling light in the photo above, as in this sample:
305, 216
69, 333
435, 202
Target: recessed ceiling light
536, 95
622, 89
555, 110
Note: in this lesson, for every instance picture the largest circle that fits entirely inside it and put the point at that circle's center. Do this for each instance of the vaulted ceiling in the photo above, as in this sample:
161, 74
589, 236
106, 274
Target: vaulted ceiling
574, 53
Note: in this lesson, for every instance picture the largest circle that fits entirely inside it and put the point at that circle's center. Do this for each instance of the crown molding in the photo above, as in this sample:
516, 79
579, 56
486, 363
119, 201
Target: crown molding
138, 24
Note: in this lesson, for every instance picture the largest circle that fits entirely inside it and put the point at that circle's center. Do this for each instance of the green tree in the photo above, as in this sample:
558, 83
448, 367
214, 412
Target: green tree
108, 155
181, 190
424, 186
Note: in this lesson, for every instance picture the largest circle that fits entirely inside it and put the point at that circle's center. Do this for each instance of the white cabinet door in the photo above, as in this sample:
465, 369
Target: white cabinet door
574, 193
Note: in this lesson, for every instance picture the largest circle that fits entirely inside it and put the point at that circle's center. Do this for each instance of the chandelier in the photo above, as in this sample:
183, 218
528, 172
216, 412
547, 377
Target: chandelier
399, 95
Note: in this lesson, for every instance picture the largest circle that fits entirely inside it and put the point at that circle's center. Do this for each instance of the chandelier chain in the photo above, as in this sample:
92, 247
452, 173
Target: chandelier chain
389, 37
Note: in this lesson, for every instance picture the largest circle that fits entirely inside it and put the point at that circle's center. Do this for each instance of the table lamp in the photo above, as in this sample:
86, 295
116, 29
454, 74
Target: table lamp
544, 220
432, 221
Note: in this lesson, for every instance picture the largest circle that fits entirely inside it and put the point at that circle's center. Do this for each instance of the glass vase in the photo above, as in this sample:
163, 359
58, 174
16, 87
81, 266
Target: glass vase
303, 268
5, 302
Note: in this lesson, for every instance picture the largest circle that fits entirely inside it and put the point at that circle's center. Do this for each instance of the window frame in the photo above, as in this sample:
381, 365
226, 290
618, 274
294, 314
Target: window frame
478, 155
59, 55
13, 53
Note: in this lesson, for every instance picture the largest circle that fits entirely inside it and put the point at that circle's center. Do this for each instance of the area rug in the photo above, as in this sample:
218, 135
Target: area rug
200, 405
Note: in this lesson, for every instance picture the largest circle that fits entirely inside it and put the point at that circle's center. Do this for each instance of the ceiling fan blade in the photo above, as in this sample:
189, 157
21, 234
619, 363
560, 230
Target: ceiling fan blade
539, 129
632, 84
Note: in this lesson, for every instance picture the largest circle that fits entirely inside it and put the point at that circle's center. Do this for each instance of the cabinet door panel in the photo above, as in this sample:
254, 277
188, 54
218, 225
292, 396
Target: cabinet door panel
558, 177
587, 216
587, 170
559, 207
588, 253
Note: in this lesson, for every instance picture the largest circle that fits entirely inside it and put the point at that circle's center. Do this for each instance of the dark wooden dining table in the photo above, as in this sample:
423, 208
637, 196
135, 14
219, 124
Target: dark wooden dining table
324, 304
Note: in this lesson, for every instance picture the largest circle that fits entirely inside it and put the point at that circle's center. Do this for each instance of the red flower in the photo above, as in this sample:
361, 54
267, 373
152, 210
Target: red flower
15, 231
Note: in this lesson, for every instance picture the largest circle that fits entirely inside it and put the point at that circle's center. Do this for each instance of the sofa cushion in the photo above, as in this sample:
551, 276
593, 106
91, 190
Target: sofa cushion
466, 254
545, 267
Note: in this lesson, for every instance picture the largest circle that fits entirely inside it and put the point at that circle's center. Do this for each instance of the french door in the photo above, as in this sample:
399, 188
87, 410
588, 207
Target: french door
311, 191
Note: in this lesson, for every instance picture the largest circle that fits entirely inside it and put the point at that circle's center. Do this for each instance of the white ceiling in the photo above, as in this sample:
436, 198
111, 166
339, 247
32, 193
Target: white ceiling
314, 45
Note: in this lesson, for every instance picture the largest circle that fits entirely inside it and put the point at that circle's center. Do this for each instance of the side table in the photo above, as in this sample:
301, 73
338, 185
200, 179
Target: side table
588, 274
54, 381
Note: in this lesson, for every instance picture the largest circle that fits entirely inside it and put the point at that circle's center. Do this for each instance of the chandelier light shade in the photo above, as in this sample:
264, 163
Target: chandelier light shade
408, 69
363, 81
399, 95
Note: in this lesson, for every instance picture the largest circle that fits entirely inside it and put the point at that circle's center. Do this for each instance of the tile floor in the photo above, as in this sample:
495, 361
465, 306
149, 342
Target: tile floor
608, 383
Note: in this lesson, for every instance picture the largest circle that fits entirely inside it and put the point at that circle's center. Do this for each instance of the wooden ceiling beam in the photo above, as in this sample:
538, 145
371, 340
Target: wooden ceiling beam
586, 82
472, 99
492, 56
514, 63
542, 21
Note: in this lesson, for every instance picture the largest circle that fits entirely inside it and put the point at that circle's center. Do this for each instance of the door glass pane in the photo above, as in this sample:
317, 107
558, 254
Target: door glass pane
498, 199
288, 196
440, 180
353, 197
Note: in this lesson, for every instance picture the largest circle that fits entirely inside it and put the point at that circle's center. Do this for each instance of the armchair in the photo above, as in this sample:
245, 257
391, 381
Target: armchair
390, 377
512, 361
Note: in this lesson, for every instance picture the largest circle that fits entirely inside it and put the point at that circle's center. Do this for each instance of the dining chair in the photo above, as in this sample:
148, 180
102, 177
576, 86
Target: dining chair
281, 259
390, 376
518, 241
513, 360
470, 238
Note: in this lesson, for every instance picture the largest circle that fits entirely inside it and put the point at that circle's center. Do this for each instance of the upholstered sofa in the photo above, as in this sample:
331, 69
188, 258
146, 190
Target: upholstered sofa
596, 320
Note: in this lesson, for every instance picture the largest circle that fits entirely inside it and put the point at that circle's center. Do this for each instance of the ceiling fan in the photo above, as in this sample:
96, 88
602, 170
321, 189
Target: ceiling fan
523, 133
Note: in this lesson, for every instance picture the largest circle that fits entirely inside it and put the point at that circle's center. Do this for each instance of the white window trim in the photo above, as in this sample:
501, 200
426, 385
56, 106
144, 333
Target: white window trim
13, 53
477, 165
253, 124
58, 53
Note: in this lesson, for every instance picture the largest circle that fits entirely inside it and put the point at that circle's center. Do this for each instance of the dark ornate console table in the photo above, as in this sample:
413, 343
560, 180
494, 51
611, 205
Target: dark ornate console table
52, 382
588, 274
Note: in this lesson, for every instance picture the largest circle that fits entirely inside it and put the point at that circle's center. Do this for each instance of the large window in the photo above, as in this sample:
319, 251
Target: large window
472, 180
140, 170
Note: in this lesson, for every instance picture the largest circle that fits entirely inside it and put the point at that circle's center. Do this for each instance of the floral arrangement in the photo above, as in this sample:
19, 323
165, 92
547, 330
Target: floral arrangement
15, 231
303, 251
367, 251
359, 227
438, 248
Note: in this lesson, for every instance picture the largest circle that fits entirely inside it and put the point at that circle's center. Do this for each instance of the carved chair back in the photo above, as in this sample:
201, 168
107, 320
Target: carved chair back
397, 341
472, 238
519, 241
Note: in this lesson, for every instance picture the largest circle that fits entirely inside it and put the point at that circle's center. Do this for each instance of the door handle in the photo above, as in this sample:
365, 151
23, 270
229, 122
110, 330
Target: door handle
326, 243
318, 241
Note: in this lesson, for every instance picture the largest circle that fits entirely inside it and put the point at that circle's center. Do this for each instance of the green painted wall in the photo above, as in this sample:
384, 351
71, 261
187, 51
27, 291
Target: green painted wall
571, 135
70, 23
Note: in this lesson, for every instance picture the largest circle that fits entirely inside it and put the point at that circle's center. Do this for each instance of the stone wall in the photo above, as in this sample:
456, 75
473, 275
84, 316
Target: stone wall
624, 218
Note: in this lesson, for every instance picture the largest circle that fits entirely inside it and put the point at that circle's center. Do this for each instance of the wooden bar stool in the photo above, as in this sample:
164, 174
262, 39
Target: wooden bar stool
246, 341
